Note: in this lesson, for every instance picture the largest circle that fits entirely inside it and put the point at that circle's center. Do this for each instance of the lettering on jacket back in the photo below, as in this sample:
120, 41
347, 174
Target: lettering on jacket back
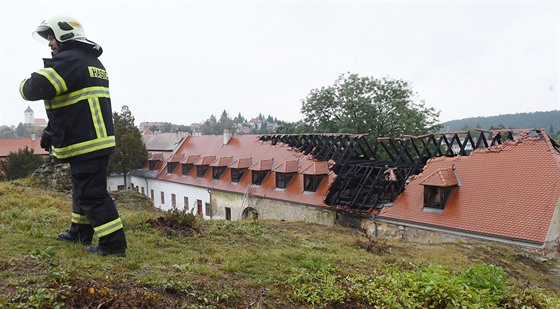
98, 73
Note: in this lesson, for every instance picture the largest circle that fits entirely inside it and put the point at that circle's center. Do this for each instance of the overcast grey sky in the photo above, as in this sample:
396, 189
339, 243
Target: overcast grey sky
181, 61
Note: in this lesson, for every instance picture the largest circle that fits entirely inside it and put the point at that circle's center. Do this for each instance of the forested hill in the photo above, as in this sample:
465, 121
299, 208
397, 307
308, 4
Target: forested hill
550, 121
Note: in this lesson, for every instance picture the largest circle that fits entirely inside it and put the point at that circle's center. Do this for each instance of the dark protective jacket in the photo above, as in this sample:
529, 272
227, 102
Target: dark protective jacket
75, 88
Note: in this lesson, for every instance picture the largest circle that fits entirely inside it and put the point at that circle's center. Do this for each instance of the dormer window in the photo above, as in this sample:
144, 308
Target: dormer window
171, 167
174, 162
187, 164
285, 172
312, 182
154, 159
237, 173
313, 176
203, 164
219, 166
283, 179
436, 197
258, 177
153, 164
259, 170
217, 171
186, 169
438, 188
201, 170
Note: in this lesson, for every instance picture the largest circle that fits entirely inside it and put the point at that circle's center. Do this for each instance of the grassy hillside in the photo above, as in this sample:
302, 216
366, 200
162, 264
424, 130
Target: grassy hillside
178, 261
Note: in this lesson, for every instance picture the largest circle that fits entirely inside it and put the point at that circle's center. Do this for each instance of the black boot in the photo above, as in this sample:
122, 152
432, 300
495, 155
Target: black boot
104, 252
78, 233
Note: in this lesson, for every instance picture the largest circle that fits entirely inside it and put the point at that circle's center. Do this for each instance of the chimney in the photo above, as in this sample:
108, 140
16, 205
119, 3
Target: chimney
227, 136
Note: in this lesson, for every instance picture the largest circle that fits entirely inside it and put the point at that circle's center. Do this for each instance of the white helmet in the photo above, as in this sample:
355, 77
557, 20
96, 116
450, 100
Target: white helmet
64, 28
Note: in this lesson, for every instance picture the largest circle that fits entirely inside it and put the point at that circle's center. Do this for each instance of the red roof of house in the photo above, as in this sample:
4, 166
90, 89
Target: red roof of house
243, 147
8, 145
262, 165
317, 168
206, 160
41, 122
241, 163
190, 159
508, 191
290, 166
222, 162
444, 177
178, 157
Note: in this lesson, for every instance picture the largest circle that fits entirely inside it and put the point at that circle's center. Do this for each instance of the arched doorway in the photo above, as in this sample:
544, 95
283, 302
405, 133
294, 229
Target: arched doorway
250, 213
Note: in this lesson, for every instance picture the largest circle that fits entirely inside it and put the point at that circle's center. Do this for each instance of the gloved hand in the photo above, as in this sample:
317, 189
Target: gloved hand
46, 140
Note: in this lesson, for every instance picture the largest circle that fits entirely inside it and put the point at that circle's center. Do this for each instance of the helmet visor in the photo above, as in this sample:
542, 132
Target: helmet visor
42, 32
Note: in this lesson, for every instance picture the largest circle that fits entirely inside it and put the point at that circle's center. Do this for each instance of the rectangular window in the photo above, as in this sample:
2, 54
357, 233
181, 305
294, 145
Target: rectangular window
228, 213
152, 194
237, 173
208, 209
186, 203
201, 170
199, 207
142, 190
186, 169
436, 197
120, 187
217, 171
153, 165
258, 177
173, 200
283, 179
312, 182
171, 167
162, 198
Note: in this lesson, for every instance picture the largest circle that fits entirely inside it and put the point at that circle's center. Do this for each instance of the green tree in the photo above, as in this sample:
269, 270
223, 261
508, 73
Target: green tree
298, 127
130, 152
209, 127
213, 126
366, 105
19, 164
239, 119
26, 130
7, 132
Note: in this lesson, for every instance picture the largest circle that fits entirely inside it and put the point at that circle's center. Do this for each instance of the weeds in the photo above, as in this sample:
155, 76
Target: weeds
258, 264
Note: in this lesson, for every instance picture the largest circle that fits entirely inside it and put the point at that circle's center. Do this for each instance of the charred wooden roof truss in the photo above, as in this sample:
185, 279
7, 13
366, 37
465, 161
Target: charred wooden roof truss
364, 182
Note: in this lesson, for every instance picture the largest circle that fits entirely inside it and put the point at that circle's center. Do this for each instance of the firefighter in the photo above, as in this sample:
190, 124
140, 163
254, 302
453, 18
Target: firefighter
75, 88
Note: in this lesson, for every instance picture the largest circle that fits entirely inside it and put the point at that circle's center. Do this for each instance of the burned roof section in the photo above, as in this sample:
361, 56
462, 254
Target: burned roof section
367, 181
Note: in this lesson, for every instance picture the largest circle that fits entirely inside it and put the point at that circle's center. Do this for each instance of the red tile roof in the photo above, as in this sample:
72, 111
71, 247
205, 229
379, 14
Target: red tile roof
444, 177
190, 159
290, 166
508, 191
205, 160
222, 162
155, 156
241, 163
242, 147
8, 145
178, 157
262, 165
316, 168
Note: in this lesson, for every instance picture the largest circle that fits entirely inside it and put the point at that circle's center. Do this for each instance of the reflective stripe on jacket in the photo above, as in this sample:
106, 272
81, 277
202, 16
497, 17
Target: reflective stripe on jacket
75, 88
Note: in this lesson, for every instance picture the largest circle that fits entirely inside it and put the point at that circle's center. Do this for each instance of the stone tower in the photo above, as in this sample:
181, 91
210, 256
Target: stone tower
29, 116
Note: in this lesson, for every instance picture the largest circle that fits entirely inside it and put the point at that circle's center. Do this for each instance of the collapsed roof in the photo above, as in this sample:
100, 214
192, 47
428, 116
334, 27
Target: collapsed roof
367, 181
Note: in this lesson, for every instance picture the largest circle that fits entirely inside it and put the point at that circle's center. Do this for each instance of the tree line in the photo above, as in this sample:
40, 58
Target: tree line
549, 120
353, 104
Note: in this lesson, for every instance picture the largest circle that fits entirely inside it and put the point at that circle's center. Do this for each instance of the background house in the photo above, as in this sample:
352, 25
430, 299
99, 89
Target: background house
508, 193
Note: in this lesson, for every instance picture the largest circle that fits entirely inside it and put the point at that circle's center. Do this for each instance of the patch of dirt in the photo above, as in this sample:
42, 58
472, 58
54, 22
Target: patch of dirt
15, 271
172, 227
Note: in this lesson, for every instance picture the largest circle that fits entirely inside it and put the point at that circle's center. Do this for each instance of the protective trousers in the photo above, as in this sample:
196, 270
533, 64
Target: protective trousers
92, 207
